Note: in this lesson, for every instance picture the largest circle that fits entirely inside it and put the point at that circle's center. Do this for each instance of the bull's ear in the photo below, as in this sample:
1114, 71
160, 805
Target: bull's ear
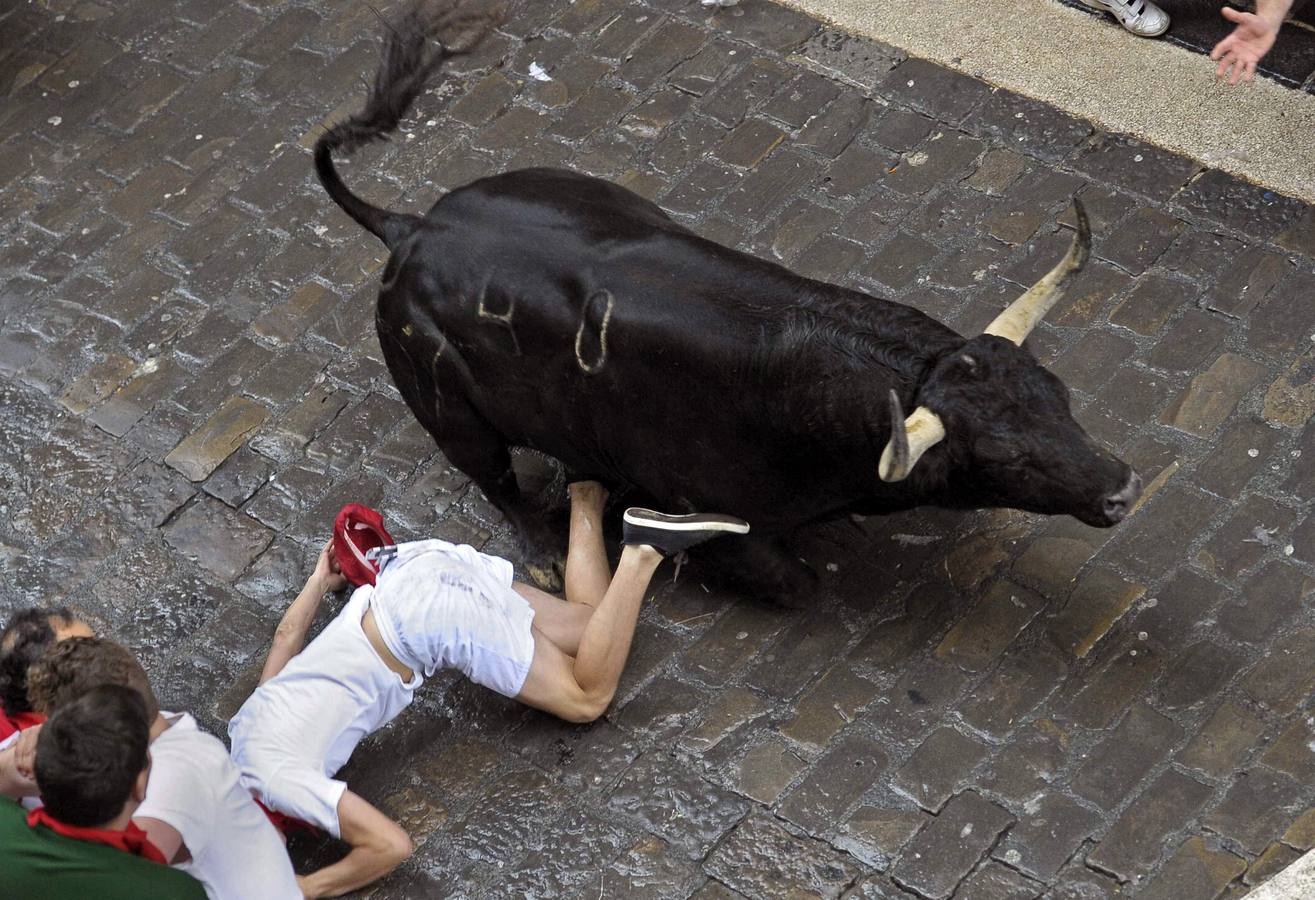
909, 439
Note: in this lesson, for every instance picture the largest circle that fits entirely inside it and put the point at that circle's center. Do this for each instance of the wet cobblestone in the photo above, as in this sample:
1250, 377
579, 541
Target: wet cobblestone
190, 386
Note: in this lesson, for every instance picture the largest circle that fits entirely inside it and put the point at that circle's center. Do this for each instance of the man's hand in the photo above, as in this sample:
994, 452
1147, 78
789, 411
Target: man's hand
25, 752
327, 574
1253, 37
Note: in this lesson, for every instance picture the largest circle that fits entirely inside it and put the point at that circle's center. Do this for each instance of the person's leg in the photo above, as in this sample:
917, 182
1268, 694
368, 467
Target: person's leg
587, 572
580, 689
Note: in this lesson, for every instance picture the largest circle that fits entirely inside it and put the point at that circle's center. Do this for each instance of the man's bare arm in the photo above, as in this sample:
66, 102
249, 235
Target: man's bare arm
379, 845
290, 635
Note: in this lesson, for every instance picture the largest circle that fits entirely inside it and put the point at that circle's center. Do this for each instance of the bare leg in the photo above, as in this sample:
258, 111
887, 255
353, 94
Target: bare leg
587, 573
580, 689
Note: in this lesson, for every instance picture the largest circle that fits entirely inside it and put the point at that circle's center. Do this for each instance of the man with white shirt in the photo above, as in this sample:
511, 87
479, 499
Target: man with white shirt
436, 605
196, 811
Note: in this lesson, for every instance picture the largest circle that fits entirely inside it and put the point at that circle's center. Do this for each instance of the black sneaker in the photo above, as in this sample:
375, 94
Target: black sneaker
670, 534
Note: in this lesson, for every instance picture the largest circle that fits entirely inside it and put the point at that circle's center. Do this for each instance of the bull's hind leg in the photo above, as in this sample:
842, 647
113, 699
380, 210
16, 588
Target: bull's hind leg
437, 395
761, 568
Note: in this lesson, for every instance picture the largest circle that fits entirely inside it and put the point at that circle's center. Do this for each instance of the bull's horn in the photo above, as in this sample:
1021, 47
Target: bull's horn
1021, 316
909, 439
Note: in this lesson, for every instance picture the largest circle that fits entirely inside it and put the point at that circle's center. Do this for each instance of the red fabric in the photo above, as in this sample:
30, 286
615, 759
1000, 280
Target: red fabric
131, 840
11, 725
284, 822
356, 530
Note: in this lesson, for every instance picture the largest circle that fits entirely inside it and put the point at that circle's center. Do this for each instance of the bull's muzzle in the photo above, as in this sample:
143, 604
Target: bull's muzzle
1117, 505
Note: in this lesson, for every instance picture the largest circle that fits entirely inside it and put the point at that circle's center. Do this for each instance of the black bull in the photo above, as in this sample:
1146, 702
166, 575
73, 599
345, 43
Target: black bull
546, 309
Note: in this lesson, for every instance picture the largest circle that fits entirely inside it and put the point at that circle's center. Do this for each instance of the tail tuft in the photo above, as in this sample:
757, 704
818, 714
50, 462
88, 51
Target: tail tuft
410, 57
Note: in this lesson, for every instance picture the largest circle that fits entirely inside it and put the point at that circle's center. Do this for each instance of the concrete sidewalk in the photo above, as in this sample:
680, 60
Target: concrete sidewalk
1151, 89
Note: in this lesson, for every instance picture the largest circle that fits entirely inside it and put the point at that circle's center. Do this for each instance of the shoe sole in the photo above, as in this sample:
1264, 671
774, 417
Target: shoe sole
648, 518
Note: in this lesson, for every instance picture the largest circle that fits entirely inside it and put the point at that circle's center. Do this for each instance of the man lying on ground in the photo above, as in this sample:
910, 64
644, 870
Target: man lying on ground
195, 811
27, 635
91, 765
436, 605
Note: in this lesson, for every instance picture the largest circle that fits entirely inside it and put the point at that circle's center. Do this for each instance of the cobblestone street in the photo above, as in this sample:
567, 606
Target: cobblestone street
986, 706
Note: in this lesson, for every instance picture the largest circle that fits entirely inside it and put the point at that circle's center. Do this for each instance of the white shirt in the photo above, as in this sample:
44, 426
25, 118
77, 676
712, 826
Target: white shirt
300, 727
194, 788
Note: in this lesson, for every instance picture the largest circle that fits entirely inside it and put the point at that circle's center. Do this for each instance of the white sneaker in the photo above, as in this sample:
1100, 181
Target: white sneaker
1142, 17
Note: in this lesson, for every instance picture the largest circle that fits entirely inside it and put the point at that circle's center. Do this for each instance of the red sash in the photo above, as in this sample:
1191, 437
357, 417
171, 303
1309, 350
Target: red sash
11, 725
131, 840
284, 822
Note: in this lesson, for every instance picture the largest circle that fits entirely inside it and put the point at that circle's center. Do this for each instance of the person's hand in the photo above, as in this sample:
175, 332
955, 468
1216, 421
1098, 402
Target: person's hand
1242, 50
326, 572
25, 752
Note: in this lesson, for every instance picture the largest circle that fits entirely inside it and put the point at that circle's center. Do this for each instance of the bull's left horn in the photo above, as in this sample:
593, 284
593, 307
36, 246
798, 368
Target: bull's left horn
909, 439
1021, 316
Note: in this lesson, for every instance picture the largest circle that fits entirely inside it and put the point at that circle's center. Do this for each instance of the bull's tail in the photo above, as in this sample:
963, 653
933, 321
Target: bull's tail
409, 59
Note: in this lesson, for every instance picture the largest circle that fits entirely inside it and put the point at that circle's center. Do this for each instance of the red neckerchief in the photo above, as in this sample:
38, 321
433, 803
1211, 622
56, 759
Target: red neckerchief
131, 840
11, 725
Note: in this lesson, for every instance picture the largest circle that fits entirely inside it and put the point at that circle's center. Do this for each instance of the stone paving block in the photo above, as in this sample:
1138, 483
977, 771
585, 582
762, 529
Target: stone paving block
1290, 400
731, 101
661, 51
1024, 678
847, 57
1256, 528
875, 834
828, 706
766, 770
202, 451
938, 159
1270, 324
896, 264
1224, 740
1133, 846
1256, 809
851, 767
730, 643
1292, 752
750, 143
831, 131
977, 640
1098, 602
1199, 674
935, 90
1237, 204
733, 708
97, 383
1189, 342
803, 650
649, 869
1029, 126
761, 856
1276, 858
1195, 870
769, 185
1275, 596
1053, 829
943, 761
950, 846
146, 495
1134, 165
650, 792
1139, 742
1301, 833
217, 538
993, 881
1245, 284
661, 708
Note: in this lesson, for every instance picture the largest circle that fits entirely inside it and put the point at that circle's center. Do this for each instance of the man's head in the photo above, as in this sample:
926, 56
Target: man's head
92, 761
72, 668
25, 638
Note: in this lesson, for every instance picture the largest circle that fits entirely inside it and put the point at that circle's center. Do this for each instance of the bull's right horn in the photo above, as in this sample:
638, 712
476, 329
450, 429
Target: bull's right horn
1021, 316
909, 439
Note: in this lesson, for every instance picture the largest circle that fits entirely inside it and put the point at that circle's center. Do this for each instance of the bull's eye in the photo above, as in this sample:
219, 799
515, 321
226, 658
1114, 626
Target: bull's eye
969, 362
998, 452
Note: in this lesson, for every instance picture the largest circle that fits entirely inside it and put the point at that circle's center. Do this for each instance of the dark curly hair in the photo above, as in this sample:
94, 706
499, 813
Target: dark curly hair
91, 753
27, 636
76, 665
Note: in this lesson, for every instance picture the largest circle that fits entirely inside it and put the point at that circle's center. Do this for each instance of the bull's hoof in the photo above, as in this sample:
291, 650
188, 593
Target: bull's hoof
548, 573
